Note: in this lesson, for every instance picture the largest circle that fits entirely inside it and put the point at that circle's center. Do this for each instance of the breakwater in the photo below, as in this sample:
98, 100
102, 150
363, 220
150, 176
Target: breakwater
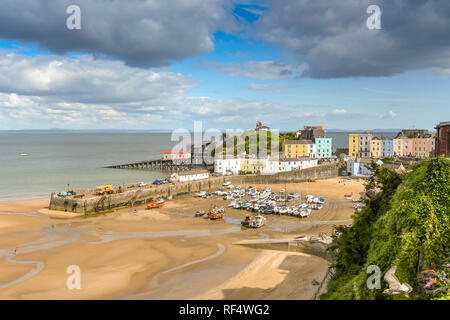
90, 203
87, 202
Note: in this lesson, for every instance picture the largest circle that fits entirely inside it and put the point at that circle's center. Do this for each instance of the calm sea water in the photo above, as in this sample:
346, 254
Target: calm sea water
58, 159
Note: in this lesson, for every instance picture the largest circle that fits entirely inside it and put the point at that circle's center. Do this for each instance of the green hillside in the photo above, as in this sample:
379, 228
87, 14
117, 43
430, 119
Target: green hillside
407, 224
251, 142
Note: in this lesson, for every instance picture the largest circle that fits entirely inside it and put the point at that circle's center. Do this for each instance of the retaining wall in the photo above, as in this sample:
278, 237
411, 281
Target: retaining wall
324, 171
151, 193
131, 197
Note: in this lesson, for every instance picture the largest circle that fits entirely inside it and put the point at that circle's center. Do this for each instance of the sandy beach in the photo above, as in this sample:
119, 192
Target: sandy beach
163, 253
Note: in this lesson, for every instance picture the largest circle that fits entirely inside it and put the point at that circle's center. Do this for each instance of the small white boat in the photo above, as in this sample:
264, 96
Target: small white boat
23, 154
200, 194
257, 222
226, 183
305, 212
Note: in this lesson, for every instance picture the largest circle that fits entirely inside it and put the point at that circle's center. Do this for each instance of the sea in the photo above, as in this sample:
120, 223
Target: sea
61, 161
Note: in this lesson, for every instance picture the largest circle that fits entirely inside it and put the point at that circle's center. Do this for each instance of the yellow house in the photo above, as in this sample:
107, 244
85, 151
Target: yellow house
353, 144
297, 148
375, 148
253, 165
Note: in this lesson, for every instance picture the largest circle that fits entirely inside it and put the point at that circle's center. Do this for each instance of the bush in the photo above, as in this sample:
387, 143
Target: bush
406, 224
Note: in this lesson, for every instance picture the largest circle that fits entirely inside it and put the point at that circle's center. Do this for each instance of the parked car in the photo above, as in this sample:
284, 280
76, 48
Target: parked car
157, 182
142, 184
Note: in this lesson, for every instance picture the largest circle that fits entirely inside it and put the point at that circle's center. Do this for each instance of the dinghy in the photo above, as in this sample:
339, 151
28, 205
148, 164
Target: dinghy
257, 222
157, 204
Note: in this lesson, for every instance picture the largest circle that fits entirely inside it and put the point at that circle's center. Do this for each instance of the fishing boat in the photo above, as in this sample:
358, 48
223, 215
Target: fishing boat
157, 204
247, 220
257, 221
200, 194
216, 213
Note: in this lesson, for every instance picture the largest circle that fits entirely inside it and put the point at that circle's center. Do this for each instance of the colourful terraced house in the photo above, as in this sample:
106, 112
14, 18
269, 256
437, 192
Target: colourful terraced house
324, 147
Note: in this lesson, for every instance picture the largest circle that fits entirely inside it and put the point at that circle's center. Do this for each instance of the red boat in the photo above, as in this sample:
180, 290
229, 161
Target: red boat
157, 204
216, 213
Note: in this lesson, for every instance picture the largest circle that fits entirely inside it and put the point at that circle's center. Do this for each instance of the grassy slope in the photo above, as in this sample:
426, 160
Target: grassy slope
406, 225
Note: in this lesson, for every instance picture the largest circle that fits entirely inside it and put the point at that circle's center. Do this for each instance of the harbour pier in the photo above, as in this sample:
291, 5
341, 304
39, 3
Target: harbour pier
159, 164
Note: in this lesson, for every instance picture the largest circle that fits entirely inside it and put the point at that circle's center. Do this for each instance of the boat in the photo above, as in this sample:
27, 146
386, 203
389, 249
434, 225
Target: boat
357, 200
216, 213
157, 204
200, 213
305, 212
200, 194
247, 220
23, 154
257, 221
226, 183
348, 196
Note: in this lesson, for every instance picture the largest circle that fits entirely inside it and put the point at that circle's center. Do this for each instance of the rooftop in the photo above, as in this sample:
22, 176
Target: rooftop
303, 141
176, 152
443, 124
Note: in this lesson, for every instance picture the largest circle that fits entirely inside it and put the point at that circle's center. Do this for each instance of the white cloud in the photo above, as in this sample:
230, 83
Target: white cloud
338, 111
389, 115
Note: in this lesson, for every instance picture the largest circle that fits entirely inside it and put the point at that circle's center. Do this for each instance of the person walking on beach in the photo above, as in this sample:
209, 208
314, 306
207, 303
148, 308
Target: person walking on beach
15, 251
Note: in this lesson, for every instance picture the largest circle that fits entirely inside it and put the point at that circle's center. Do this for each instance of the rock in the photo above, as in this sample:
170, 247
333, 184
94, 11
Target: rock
315, 283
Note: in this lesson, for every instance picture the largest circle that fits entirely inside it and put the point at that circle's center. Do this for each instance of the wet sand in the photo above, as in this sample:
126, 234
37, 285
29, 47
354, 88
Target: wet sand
163, 253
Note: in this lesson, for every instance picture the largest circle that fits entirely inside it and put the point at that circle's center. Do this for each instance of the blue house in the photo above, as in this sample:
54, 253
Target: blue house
387, 147
324, 147
359, 168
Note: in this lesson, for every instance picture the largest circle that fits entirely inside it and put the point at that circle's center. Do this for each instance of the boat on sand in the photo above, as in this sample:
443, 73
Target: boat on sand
157, 204
216, 213
257, 222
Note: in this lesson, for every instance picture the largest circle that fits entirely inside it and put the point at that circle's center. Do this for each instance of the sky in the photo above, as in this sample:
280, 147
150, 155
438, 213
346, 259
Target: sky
154, 64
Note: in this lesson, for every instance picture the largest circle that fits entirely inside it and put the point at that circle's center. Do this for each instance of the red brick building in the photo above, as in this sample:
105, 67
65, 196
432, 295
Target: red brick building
443, 139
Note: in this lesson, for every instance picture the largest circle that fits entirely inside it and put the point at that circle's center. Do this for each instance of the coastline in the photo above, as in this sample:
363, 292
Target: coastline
120, 253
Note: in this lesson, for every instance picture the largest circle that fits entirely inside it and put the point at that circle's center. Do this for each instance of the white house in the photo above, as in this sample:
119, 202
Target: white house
191, 175
225, 165
282, 165
312, 150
